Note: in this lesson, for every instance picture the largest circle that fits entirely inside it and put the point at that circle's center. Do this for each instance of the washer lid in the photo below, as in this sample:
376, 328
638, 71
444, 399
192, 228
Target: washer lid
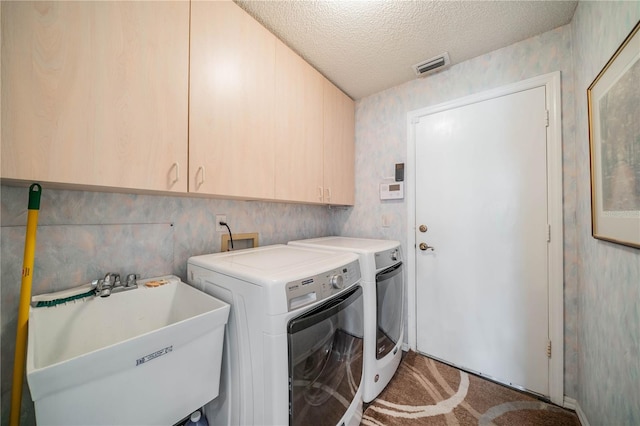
274, 264
357, 245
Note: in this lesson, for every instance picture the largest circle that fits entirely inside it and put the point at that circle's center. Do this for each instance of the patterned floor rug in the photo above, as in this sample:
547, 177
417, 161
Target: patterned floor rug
428, 392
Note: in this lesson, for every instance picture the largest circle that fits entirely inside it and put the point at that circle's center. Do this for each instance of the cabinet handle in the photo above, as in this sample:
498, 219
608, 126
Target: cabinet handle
320, 193
328, 194
176, 167
201, 172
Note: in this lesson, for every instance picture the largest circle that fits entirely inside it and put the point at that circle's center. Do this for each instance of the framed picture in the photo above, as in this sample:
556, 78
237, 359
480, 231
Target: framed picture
614, 142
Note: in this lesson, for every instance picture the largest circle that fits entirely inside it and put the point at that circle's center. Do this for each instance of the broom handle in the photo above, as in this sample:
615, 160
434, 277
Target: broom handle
35, 191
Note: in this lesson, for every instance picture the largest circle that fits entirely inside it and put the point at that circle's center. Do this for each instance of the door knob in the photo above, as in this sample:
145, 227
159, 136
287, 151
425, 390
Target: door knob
423, 228
424, 246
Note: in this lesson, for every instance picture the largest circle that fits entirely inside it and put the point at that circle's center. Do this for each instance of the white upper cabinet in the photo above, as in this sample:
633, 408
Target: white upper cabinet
96, 93
190, 97
232, 99
299, 128
315, 128
339, 146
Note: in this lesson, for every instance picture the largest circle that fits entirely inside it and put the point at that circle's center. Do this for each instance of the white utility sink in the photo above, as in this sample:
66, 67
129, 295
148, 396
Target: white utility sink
147, 356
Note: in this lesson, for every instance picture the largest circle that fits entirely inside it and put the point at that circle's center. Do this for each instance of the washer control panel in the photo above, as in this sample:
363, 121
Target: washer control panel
318, 287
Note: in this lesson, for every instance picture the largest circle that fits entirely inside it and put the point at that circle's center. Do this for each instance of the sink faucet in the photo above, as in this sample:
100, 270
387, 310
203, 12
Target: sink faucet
112, 284
106, 285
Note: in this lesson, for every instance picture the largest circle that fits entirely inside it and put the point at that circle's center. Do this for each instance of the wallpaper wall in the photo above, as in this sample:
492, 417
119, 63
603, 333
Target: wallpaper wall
608, 274
83, 235
381, 141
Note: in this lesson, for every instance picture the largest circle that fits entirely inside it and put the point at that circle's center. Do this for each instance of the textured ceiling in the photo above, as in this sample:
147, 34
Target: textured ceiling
367, 46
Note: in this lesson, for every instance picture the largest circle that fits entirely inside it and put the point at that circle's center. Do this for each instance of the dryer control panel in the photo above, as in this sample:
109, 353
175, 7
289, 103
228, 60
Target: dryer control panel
312, 289
387, 258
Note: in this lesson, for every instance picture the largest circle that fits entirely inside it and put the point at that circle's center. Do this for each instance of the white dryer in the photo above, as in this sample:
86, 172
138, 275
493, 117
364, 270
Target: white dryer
294, 340
384, 289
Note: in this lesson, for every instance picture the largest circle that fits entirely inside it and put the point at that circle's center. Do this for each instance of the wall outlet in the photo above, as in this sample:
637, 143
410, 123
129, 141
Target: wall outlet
221, 218
387, 219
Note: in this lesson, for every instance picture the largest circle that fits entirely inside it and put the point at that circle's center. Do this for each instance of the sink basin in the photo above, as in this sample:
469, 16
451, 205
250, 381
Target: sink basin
147, 356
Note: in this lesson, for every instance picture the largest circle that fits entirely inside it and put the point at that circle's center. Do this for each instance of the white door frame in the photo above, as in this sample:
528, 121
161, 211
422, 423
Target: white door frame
551, 82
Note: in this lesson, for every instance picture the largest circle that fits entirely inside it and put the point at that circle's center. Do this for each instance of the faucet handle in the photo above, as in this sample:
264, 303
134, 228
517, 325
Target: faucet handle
104, 286
132, 280
111, 278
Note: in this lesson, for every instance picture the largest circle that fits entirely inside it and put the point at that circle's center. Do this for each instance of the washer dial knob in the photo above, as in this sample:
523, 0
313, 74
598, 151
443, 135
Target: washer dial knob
337, 281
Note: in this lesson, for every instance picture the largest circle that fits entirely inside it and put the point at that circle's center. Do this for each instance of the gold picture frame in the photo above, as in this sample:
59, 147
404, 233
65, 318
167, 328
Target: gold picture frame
614, 144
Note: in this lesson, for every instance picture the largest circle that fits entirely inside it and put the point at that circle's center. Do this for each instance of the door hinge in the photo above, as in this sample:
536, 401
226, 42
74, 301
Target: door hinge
548, 233
548, 348
546, 121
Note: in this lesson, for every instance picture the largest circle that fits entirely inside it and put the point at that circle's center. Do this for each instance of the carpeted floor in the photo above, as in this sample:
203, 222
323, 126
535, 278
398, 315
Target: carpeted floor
428, 392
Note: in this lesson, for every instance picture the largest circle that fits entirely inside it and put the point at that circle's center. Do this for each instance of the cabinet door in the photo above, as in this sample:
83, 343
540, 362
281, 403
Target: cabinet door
339, 146
231, 111
96, 93
299, 128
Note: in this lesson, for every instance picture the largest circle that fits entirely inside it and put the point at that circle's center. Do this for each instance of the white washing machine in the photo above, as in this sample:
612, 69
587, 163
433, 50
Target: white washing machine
294, 340
383, 284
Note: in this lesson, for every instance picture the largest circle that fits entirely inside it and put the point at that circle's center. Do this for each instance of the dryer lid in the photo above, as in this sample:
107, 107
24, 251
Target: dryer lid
358, 245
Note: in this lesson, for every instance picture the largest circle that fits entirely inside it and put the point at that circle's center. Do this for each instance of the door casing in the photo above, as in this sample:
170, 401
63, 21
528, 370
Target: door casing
551, 82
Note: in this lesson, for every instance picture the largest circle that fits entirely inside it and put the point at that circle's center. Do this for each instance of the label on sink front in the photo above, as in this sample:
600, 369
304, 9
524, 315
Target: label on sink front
154, 355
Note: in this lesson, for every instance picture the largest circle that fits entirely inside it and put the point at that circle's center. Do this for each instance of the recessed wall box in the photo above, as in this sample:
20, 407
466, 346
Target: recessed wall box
392, 191
399, 172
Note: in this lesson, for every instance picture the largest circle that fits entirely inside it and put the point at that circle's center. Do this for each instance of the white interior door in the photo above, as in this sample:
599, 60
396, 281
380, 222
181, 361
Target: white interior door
481, 191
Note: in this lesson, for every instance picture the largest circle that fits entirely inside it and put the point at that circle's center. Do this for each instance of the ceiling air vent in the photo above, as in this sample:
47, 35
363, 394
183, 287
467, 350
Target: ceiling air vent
432, 65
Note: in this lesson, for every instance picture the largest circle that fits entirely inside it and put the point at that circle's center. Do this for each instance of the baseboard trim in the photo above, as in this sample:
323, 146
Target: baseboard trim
581, 416
572, 404
569, 403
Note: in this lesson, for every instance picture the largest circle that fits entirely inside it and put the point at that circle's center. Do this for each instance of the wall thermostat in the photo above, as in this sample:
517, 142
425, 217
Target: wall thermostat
392, 191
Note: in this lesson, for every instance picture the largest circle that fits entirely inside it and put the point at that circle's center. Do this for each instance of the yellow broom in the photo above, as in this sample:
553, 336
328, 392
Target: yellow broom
35, 191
